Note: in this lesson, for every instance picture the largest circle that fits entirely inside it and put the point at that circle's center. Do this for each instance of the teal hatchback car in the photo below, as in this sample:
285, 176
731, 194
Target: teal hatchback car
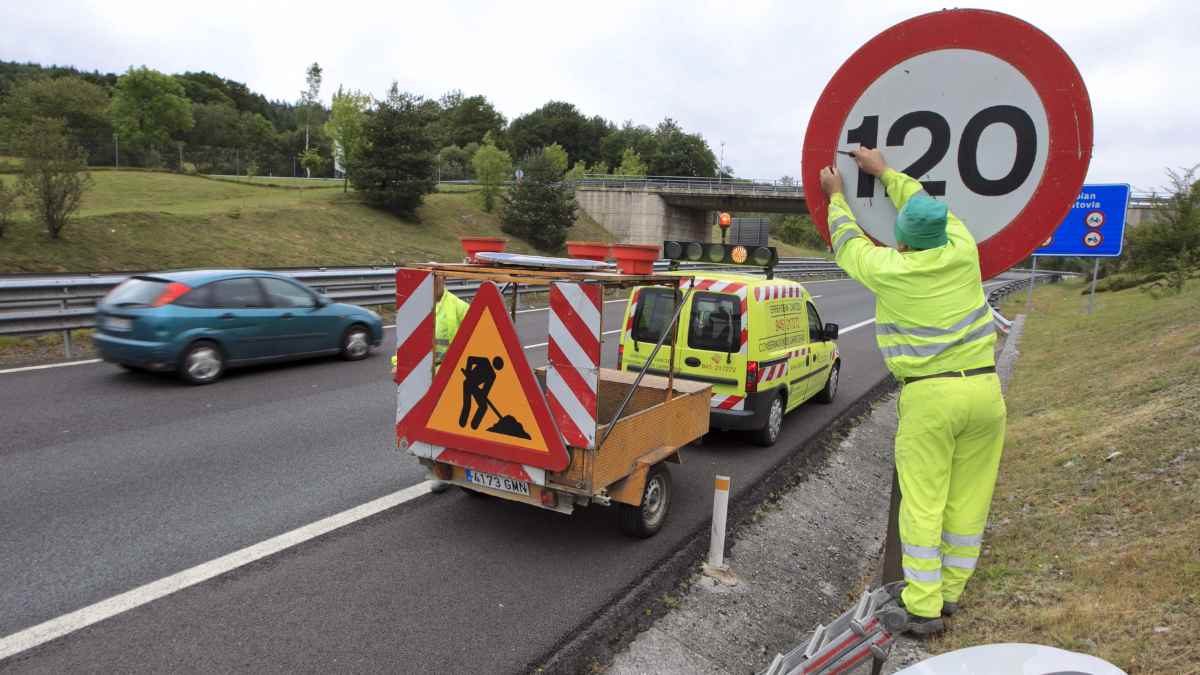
199, 323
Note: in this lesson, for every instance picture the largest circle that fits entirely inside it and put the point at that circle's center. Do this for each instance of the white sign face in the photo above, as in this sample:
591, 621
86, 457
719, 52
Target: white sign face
967, 124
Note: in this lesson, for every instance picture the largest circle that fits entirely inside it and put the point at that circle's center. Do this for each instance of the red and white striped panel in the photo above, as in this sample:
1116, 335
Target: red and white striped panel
772, 372
414, 351
728, 402
732, 288
574, 354
778, 291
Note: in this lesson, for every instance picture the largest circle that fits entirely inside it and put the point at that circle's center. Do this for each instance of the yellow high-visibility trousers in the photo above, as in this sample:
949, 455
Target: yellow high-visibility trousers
948, 448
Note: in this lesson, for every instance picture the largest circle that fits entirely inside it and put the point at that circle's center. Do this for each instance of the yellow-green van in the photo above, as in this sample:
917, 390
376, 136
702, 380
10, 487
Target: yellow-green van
759, 342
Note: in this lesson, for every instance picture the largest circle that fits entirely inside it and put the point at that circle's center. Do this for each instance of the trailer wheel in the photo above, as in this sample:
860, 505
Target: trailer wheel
645, 520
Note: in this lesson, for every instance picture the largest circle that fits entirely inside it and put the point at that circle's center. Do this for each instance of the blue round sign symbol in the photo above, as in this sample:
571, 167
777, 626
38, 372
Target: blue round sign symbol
1094, 219
1093, 239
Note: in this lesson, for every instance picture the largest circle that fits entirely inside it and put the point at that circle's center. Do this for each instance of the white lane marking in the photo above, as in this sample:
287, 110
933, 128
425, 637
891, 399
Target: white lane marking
131, 599
856, 326
542, 309
543, 344
49, 365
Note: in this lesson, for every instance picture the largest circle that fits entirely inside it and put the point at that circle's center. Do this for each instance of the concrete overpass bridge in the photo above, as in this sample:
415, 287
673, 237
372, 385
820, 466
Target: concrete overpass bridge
649, 209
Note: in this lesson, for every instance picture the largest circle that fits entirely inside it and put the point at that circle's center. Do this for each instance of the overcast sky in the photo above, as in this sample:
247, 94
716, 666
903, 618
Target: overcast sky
744, 73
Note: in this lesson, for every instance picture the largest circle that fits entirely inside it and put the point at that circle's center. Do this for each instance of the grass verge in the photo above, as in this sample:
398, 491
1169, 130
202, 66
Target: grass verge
1094, 536
142, 220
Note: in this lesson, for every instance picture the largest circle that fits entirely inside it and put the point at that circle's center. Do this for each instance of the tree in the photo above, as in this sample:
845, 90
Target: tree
562, 123
577, 172
1172, 238
639, 137
311, 160
396, 167
680, 153
493, 167
310, 98
631, 164
149, 109
557, 156
54, 175
8, 205
542, 207
466, 120
81, 105
347, 118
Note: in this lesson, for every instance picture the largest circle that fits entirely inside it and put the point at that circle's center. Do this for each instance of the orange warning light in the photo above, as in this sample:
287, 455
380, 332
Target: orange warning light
725, 220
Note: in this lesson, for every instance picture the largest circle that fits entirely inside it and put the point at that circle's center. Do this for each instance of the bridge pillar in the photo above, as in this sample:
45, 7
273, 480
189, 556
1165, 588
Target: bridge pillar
636, 217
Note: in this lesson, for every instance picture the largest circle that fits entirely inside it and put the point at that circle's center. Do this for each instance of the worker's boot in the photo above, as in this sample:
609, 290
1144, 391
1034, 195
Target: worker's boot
949, 608
923, 627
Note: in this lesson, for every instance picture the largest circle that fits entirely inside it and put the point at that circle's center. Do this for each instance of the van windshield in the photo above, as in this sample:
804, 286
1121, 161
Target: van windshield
652, 315
716, 323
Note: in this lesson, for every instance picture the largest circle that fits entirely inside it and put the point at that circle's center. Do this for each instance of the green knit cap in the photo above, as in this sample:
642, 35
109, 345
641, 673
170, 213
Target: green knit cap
921, 223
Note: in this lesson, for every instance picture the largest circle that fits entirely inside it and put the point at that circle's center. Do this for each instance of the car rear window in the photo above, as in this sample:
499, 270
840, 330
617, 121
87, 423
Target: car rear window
716, 323
136, 292
652, 314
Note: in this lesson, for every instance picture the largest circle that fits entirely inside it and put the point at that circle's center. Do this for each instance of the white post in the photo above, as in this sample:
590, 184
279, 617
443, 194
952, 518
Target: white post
716, 545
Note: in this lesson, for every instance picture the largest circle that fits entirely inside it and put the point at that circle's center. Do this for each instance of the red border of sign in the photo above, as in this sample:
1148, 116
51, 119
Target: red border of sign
488, 299
1038, 57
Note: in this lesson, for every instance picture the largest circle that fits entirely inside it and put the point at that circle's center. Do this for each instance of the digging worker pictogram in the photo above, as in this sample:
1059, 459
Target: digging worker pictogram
480, 376
934, 328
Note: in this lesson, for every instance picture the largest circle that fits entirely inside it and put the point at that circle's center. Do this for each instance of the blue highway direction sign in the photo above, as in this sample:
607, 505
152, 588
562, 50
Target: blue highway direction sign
1095, 227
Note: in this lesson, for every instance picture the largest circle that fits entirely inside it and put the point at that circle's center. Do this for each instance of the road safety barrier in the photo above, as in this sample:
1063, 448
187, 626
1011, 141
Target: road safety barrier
45, 303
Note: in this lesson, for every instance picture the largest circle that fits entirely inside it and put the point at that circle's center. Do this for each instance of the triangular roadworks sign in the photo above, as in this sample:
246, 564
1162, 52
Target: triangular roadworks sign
485, 398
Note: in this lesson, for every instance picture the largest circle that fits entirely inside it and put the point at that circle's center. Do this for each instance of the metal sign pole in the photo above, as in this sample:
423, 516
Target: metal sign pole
892, 565
1032, 281
1092, 294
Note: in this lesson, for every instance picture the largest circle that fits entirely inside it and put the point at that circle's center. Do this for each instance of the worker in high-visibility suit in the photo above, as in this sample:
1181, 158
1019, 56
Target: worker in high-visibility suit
934, 328
448, 312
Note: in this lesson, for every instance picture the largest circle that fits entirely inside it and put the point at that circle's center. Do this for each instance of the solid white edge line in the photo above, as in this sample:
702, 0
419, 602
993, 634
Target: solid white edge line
82, 618
543, 344
49, 365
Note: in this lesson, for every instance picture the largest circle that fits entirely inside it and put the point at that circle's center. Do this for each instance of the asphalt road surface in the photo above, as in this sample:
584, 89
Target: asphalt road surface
110, 480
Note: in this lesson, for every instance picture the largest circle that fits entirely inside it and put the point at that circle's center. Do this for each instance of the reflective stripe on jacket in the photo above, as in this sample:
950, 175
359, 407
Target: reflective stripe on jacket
448, 316
931, 315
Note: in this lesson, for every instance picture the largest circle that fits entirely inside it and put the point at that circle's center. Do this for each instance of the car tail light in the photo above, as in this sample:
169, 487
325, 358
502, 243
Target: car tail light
751, 377
443, 471
620, 356
171, 293
549, 499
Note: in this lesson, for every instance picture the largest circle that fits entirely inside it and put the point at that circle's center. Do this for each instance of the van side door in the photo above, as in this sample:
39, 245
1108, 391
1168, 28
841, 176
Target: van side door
711, 345
820, 351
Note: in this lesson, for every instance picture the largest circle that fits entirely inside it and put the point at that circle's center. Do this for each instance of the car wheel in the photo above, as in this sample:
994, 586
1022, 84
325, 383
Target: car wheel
646, 519
769, 433
202, 363
830, 390
356, 343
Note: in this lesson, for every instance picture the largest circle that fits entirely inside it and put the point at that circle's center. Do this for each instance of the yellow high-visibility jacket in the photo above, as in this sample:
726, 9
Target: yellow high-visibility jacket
931, 315
448, 316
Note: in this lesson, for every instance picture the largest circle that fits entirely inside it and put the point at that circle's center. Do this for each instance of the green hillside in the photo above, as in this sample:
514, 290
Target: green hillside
135, 220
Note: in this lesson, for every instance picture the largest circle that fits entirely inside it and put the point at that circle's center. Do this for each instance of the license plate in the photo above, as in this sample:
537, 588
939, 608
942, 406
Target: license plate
491, 480
117, 323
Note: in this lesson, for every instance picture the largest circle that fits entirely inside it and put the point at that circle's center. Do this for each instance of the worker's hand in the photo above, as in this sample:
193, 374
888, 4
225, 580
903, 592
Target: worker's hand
870, 160
831, 181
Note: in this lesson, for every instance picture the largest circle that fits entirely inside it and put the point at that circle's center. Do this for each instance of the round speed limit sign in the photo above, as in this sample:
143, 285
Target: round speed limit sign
987, 111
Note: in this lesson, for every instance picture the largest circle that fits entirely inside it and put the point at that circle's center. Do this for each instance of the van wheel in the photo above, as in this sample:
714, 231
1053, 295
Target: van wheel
645, 520
769, 433
202, 363
830, 390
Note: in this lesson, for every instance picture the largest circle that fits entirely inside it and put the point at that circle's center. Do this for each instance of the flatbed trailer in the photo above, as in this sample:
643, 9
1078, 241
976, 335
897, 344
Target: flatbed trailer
578, 434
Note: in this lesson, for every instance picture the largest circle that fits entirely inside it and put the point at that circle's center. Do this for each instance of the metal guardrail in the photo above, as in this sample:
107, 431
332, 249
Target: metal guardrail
31, 304
689, 185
